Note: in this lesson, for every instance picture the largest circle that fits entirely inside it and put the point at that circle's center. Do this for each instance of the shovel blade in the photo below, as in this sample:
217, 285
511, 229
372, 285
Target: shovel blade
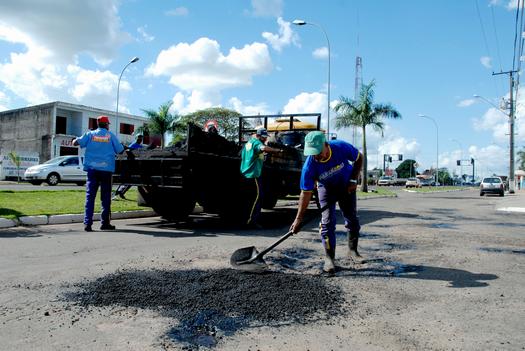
246, 259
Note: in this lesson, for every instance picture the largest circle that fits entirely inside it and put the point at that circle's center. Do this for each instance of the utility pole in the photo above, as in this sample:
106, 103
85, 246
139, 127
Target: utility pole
511, 128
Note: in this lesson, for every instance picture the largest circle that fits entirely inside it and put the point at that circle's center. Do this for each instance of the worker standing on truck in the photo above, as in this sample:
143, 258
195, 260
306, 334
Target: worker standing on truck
99, 162
328, 164
252, 157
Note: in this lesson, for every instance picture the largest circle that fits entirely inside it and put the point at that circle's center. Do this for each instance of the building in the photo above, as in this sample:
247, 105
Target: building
48, 130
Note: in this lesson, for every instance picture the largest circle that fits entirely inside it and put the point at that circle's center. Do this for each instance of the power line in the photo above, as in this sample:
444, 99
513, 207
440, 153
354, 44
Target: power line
486, 43
496, 36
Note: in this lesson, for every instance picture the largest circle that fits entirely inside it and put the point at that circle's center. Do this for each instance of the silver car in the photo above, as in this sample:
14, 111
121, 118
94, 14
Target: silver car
492, 185
66, 169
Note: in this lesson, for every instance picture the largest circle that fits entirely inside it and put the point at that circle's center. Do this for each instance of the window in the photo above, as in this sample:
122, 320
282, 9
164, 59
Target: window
71, 162
61, 125
127, 129
92, 124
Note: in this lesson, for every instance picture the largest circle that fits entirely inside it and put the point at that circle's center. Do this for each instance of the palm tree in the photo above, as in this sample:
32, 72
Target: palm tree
521, 159
161, 121
361, 113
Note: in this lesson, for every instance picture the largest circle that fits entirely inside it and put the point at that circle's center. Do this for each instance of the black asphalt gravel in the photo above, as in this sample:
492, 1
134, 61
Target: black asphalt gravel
269, 297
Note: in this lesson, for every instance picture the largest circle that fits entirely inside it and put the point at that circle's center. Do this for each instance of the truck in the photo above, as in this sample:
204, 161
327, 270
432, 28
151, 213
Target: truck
205, 169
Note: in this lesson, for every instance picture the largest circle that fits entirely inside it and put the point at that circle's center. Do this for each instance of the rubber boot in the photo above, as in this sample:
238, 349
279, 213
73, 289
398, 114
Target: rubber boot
329, 265
353, 240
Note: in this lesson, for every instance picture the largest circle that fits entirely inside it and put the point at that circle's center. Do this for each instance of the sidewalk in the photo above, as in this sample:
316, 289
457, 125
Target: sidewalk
513, 202
70, 218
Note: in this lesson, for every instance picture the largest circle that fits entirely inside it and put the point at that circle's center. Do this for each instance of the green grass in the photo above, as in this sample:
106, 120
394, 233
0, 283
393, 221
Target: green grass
432, 189
14, 204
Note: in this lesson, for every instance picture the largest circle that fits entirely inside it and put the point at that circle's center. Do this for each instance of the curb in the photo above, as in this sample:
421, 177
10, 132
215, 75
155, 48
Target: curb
69, 218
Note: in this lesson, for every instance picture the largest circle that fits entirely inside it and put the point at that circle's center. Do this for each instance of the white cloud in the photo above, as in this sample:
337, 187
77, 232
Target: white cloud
179, 11
201, 65
495, 121
320, 53
512, 5
267, 8
285, 37
144, 35
4, 101
248, 110
486, 61
466, 102
65, 28
306, 103
195, 100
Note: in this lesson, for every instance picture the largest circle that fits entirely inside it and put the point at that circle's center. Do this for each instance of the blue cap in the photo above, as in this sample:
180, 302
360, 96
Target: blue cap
262, 132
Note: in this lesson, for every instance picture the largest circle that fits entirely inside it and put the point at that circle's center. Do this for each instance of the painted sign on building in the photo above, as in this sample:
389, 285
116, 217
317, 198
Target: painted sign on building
8, 168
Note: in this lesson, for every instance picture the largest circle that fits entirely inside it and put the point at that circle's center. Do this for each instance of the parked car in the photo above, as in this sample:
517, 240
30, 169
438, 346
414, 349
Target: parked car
413, 183
427, 182
492, 185
385, 181
65, 169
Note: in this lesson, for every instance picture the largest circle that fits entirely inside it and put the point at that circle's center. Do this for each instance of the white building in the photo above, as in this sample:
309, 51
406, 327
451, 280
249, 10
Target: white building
48, 130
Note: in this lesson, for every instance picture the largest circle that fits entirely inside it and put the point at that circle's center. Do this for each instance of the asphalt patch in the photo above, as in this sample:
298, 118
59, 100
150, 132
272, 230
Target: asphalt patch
209, 304
506, 251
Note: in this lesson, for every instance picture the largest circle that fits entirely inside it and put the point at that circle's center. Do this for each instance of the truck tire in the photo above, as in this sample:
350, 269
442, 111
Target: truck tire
269, 201
171, 204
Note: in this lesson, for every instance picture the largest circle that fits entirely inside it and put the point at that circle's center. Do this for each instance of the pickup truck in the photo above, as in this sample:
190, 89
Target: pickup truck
205, 169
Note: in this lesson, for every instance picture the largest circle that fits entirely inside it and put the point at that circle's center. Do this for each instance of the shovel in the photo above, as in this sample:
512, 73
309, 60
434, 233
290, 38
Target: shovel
250, 260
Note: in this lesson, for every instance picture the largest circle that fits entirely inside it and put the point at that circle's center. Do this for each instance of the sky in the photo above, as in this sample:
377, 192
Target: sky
426, 57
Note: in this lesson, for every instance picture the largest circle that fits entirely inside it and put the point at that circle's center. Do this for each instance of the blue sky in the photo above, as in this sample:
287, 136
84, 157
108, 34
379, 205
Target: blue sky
427, 57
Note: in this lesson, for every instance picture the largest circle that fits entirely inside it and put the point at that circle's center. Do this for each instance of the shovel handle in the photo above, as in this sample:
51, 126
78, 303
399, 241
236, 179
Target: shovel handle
269, 248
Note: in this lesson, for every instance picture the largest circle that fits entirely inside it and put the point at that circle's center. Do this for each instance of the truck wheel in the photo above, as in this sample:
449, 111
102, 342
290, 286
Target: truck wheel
53, 179
269, 201
171, 204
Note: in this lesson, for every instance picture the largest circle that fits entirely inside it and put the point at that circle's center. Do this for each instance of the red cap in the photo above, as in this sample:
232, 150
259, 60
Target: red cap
103, 119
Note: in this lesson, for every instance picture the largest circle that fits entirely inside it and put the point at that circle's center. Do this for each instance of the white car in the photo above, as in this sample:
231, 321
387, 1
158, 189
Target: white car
413, 183
65, 169
492, 185
385, 181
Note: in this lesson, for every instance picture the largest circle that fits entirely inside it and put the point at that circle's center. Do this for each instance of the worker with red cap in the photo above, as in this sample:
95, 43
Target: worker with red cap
99, 162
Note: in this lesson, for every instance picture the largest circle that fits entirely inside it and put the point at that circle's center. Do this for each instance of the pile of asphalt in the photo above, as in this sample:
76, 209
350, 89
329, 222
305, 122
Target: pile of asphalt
185, 294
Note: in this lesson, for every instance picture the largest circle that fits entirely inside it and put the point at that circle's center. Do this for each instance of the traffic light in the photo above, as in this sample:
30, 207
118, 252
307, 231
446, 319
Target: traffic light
472, 161
389, 158
458, 162
400, 157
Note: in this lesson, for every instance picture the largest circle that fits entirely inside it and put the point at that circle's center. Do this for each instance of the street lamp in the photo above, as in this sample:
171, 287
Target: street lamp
299, 22
460, 159
437, 144
511, 140
133, 60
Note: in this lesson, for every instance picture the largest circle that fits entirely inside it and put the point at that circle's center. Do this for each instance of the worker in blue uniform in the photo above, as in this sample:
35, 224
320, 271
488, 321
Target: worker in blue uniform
99, 162
329, 165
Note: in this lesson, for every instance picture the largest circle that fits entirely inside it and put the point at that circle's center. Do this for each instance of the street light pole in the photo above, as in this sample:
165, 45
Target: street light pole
511, 131
460, 159
437, 145
299, 22
133, 60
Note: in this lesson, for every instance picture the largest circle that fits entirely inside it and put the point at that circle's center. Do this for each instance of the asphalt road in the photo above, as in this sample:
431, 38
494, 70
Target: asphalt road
445, 271
10, 185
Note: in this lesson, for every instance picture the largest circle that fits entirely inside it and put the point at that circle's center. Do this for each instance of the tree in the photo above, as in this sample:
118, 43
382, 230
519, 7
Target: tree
444, 177
406, 169
16, 161
521, 159
362, 113
227, 119
161, 121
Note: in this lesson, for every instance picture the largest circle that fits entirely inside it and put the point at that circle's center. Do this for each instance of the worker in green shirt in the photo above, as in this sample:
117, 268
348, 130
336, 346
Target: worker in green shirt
252, 157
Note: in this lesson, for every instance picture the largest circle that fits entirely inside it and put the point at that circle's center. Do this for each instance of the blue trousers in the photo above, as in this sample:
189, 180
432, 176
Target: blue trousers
348, 206
94, 180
